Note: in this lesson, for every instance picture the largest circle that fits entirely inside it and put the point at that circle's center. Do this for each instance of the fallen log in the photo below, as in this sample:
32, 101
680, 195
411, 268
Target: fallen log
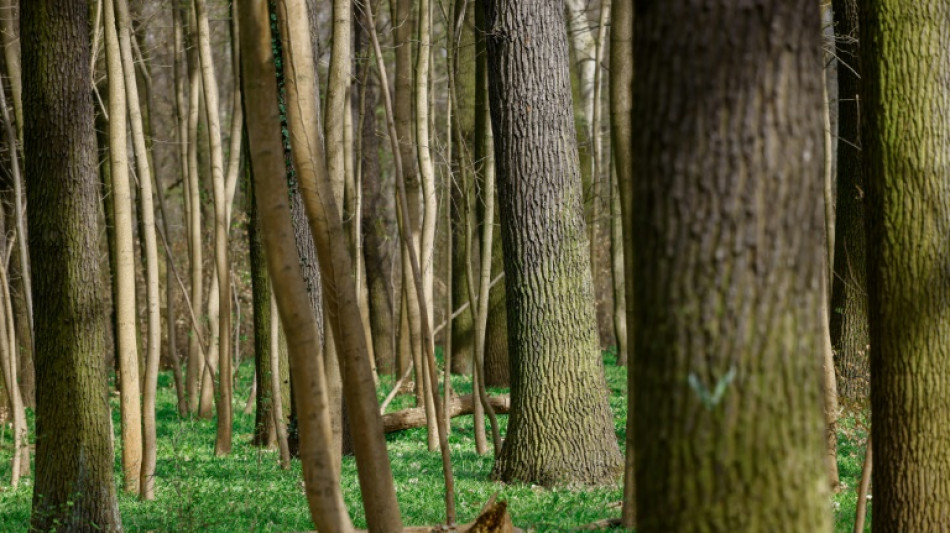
415, 417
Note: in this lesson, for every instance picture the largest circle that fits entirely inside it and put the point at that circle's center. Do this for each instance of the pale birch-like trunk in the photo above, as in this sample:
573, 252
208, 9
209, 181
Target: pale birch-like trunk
222, 445
126, 349
147, 214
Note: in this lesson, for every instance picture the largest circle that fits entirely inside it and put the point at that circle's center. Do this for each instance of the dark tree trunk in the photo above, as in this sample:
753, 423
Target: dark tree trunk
74, 488
728, 220
464, 239
560, 430
905, 65
849, 297
379, 213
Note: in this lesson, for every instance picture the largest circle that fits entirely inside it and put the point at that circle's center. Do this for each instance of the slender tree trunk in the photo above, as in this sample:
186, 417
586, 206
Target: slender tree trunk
277, 410
378, 226
20, 464
373, 465
321, 477
74, 492
905, 139
265, 430
621, 130
127, 351
222, 444
728, 220
197, 372
557, 369
149, 238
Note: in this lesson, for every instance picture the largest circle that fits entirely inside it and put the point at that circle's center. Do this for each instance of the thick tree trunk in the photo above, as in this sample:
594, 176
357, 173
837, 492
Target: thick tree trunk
849, 296
72, 491
553, 343
905, 65
265, 432
728, 218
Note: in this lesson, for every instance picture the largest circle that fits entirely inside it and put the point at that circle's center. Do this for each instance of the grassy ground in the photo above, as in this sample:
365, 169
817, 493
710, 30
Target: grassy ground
246, 491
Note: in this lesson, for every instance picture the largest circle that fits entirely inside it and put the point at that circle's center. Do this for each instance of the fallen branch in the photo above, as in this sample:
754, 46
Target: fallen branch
415, 417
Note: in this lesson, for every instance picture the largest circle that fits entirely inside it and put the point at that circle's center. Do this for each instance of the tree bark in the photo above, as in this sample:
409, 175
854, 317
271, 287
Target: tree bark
222, 443
125, 310
72, 491
379, 212
905, 62
321, 477
325, 222
553, 342
728, 218
849, 297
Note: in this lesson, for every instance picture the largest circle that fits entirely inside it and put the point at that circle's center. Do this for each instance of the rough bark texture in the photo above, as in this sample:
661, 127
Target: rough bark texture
560, 430
905, 65
849, 297
74, 488
728, 218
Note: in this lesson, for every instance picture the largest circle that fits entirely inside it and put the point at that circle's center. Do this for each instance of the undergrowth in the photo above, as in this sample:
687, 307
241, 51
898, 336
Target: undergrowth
247, 491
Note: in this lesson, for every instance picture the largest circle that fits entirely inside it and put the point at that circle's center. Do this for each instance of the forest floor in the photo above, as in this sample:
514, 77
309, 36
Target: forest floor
247, 491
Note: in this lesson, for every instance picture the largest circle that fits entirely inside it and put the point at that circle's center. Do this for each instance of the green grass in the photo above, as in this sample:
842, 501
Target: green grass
246, 491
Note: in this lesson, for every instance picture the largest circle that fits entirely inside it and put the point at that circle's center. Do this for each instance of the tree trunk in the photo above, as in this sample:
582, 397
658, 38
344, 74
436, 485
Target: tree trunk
553, 342
125, 310
72, 491
728, 218
265, 432
222, 443
905, 62
415, 417
379, 213
849, 296
321, 477
621, 129
325, 222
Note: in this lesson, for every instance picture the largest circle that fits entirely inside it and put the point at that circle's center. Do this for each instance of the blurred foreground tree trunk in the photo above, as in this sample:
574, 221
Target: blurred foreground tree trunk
728, 219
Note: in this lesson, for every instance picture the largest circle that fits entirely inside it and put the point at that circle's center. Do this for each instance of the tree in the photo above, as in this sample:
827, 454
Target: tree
849, 298
124, 275
560, 429
728, 219
73, 491
905, 64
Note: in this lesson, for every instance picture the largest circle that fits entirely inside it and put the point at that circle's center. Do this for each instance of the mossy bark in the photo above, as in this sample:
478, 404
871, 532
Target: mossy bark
728, 219
560, 430
74, 488
905, 65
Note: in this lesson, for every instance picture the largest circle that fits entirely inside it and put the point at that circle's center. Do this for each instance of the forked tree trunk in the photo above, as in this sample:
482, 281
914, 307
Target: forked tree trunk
728, 220
150, 242
126, 350
557, 369
72, 490
905, 139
